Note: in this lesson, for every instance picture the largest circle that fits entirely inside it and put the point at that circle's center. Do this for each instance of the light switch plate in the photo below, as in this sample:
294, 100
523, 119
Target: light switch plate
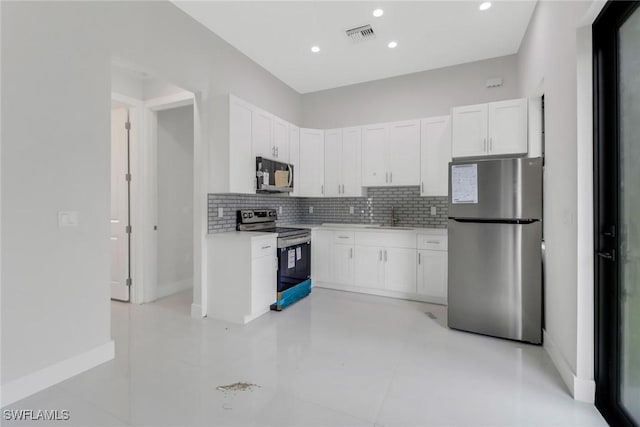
220, 212
68, 219
434, 211
310, 209
352, 210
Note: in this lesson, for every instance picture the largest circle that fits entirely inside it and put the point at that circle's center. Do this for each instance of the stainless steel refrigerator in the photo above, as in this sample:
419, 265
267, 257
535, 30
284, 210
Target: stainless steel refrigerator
495, 236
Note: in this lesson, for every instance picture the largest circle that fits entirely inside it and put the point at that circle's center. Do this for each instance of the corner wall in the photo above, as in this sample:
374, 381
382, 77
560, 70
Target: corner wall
56, 98
412, 96
553, 59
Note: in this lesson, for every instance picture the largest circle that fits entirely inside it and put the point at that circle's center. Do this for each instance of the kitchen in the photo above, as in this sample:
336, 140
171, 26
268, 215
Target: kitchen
456, 86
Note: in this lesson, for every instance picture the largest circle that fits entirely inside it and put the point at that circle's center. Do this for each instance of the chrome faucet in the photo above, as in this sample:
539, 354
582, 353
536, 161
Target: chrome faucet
394, 219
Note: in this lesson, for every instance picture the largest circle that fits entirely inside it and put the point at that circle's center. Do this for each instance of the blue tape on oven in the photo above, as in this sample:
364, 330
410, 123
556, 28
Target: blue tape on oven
293, 294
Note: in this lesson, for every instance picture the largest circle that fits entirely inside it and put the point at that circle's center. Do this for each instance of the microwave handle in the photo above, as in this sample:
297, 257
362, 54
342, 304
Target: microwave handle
290, 174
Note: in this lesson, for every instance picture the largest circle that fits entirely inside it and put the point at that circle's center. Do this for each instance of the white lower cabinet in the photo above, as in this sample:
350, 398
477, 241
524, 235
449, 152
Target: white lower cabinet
254, 288
432, 275
343, 264
321, 259
397, 264
369, 267
400, 269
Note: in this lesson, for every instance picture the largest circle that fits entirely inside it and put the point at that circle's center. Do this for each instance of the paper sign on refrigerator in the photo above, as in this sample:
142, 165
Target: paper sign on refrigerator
464, 183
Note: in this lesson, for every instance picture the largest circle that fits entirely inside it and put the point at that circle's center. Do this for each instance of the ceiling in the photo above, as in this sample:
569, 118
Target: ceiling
430, 34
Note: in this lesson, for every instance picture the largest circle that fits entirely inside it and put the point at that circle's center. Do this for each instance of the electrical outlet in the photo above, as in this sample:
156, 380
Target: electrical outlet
310, 209
434, 211
352, 210
220, 212
68, 219
279, 210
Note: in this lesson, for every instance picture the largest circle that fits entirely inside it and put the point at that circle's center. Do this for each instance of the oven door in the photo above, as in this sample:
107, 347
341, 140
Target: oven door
294, 264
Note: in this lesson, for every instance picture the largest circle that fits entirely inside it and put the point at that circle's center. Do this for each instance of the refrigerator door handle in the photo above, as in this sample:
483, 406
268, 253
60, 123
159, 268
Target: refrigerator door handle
608, 255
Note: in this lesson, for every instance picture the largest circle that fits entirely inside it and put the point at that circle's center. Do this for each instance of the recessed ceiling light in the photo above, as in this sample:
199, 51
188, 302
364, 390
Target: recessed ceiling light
486, 5
378, 13
391, 45
315, 49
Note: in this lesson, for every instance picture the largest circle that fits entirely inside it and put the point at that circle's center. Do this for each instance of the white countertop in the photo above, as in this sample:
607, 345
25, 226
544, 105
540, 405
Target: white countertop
371, 227
239, 235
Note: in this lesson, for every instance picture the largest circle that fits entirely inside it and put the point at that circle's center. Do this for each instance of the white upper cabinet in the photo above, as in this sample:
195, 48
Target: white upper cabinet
404, 153
311, 162
342, 162
294, 157
333, 162
508, 127
435, 155
262, 134
280, 147
391, 154
374, 155
497, 128
352, 161
242, 166
469, 135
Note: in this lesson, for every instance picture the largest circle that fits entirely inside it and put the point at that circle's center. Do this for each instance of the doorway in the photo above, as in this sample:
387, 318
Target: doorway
120, 216
616, 43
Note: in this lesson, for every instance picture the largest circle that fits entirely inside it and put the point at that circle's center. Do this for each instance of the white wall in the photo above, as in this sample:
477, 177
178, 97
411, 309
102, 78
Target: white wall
56, 60
412, 96
126, 82
553, 60
175, 200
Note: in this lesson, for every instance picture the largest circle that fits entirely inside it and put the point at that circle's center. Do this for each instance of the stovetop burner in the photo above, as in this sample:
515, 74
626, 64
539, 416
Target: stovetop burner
265, 220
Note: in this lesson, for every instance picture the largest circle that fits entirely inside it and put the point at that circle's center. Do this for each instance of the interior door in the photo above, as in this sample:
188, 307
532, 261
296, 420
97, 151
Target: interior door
616, 39
119, 204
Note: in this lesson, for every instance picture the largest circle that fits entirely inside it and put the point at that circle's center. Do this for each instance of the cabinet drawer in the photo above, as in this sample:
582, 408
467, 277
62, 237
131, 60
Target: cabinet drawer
343, 237
390, 240
435, 243
263, 247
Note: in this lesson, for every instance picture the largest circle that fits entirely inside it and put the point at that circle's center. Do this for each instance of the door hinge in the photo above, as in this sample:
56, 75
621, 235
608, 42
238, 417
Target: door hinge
127, 177
128, 229
127, 125
128, 281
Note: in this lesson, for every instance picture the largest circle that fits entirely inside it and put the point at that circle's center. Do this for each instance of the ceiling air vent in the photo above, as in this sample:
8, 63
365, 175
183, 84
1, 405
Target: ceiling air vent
362, 33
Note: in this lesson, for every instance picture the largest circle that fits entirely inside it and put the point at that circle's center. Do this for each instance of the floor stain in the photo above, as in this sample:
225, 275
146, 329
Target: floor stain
240, 386
431, 315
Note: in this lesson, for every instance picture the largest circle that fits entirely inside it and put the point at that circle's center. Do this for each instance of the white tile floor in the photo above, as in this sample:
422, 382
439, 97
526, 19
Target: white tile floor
333, 359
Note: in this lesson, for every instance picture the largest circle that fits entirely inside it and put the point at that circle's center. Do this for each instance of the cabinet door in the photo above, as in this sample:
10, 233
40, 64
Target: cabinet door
469, 131
404, 153
333, 162
294, 157
263, 283
508, 127
369, 267
343, 264
435, 155
432, 274
311, 162
321, 268
281, 140
261, 134
352, 161
242, 173
374, 156
400, 269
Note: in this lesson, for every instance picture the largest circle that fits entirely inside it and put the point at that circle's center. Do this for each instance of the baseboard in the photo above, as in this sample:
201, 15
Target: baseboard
32, 383
382, 293
196, 311
167, 289
579, 388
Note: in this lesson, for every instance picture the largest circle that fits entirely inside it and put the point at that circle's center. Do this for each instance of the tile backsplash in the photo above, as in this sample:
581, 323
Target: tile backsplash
410, 210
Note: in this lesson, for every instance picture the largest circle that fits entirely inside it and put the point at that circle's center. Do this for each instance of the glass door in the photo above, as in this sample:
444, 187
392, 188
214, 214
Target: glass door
617, 206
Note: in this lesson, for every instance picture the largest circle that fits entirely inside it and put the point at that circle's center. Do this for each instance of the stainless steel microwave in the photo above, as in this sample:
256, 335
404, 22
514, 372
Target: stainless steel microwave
273, 176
